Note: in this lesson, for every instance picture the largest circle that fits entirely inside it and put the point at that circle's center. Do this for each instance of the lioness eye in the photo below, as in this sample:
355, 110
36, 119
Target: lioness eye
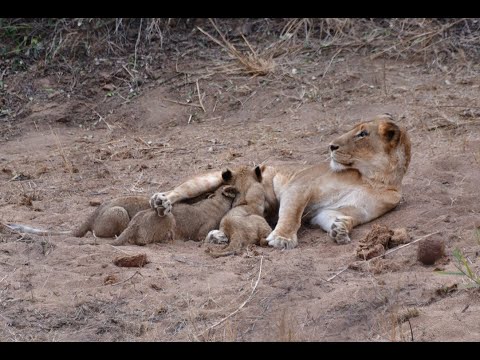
363, 134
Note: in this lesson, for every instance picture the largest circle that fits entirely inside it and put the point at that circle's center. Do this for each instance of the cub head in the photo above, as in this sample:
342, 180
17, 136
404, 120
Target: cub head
379, 149
225, 191
243, 179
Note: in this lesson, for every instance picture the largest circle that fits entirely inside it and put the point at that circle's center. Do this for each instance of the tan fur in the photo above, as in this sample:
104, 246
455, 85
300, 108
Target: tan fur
112, 216
362, 183
186, 221
107, 220
244, 224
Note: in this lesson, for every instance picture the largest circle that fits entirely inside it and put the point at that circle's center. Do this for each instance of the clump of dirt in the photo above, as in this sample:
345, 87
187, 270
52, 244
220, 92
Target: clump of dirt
139, 260
110, 279
430, 250
379, 240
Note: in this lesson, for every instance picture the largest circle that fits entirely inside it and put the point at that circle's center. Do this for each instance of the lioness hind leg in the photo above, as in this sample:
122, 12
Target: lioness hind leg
340, 229
198, 185
161, 204
337, 225
112, 222
216, 237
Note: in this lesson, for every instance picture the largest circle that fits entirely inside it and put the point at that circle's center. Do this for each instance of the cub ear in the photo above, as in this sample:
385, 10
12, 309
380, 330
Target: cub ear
227, 175
258, 173
230, 191
390, 132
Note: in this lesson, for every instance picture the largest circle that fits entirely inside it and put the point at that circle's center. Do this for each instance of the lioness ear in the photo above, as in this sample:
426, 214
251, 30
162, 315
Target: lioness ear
390, 132
230, 191
227, 175
258, 172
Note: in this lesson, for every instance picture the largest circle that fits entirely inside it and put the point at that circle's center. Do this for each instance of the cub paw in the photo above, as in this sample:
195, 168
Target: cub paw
216, 237
281, 242
339, 232
161, 204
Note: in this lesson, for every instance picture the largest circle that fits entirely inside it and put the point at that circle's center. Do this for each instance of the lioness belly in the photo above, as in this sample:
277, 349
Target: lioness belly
357, 203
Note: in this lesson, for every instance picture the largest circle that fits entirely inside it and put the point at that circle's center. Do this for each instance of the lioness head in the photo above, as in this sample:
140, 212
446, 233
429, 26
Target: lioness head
379, 149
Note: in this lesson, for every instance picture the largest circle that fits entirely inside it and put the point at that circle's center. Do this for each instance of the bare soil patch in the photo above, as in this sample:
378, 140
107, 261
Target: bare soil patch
64, 154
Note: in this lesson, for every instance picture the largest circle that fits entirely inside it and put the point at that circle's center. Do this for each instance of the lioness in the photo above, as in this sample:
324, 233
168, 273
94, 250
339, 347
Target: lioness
244, 224
186, 221
362, 182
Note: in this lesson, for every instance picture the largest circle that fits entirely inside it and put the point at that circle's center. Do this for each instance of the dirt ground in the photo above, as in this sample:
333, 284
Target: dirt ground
67, 149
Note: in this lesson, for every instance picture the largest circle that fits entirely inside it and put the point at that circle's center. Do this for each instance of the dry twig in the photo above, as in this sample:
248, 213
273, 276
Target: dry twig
240, 307
386, 253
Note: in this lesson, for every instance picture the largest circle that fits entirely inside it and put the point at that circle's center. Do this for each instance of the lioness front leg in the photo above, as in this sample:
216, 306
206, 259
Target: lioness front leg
284, 236
162, 201
337, 225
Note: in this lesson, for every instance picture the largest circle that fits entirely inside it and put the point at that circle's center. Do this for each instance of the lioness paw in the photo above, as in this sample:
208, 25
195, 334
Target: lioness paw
216, 237
281, 242
160, 202
339, 232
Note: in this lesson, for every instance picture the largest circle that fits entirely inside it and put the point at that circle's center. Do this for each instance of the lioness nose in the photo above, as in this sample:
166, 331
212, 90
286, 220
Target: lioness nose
333, 147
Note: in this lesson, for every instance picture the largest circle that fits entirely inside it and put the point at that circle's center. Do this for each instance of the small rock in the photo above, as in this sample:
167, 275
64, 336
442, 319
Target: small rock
94, 202
131, 261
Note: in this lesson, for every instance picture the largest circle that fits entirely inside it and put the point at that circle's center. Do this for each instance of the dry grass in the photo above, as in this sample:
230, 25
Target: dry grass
390, 37
67, 164
394, 325
252, 62
286, 328
130, 50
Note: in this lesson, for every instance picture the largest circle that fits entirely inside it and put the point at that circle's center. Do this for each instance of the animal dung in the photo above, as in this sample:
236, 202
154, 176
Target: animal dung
399, 237
430, 250
131, 261
379, 239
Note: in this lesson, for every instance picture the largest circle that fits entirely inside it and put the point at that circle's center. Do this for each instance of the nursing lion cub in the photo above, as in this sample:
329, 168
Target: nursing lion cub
108, 220
244, 224
185, 221
361, 182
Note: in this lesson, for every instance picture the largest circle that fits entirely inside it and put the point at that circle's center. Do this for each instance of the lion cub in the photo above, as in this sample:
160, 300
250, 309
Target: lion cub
108, 220
244, 224
112, 216
186, 221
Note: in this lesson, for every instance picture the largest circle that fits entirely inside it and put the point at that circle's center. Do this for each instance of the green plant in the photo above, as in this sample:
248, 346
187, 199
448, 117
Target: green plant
462, 264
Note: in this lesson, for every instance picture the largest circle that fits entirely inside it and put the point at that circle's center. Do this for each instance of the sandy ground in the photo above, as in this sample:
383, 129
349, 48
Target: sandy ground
65, 152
